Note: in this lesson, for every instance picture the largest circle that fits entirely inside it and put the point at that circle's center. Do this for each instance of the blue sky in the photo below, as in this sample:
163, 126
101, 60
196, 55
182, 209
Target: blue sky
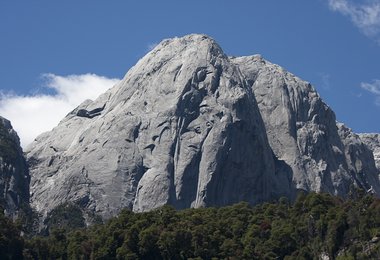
47, 48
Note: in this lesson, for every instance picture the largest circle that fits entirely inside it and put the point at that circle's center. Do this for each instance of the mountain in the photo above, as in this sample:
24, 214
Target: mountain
325, 156
191, 127
373, 142
181, 128
14, 175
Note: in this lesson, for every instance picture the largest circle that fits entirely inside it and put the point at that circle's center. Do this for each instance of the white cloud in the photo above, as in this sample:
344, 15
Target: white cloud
373, 88
364, 16
32, 115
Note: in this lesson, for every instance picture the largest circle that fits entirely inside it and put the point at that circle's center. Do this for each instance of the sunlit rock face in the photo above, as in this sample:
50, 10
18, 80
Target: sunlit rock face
14, 175
325, 156
182, 128
191, 127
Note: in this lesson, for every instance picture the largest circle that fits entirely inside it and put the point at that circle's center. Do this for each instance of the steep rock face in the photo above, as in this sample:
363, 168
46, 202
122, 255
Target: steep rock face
373, 143
302, 131
360, 159
14, 176
181, 128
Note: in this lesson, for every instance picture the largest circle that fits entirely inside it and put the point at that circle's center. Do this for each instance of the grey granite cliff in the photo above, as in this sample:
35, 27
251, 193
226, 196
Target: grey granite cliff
302, 130
373, 143
181, 128
191, 127
14, 175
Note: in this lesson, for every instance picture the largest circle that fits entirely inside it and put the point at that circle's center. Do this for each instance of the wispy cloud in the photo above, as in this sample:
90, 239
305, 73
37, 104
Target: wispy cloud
373, 88
151, 46
325, 80
364, 16
33, 114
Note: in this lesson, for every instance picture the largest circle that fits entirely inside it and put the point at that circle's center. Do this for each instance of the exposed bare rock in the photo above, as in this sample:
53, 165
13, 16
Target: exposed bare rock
14, 175
181, 128
360, 160
373, 142
190, 127
302, 131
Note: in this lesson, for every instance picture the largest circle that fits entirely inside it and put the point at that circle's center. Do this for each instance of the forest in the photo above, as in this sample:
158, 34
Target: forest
312, 227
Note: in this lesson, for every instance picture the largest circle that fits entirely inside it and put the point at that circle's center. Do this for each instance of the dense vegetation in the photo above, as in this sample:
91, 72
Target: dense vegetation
315, 225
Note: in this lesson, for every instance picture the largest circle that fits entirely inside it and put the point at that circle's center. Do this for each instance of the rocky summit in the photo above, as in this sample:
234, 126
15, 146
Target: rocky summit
14, 175
191, 127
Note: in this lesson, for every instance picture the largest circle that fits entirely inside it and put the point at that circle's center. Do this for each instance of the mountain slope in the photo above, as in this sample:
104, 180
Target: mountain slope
373, 143
302, 131
14, 175
191, 127
181, 128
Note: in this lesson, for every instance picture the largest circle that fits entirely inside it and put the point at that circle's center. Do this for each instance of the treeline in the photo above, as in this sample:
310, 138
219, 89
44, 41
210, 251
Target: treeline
316, 225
